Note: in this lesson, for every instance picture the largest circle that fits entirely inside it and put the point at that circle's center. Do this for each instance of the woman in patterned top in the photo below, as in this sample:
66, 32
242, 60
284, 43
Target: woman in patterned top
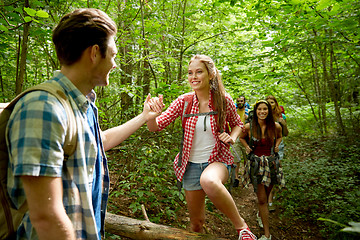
206, 159
263, 133
279, 116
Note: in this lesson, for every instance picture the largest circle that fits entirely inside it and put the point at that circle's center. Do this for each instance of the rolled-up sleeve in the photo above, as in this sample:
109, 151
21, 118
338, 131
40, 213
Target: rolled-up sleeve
172, 112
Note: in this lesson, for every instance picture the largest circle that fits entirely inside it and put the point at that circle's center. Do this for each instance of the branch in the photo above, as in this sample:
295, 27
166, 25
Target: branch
9, 4
12, 25
342, 34
139, 229
144, 212
207, 38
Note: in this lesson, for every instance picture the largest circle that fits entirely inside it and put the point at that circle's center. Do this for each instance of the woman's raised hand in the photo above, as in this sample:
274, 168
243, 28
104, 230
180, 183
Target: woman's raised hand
156, 104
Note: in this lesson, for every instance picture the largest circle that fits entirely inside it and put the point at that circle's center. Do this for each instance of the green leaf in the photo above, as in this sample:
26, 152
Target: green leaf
335, 9
37, 4
3, 28
331, 221
323, 4
31, 12
42, 14
355, 227
28, 19
233, 2
190, 13
295, 2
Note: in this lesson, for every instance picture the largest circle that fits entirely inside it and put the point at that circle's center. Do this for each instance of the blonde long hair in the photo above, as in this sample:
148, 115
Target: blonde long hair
216, 87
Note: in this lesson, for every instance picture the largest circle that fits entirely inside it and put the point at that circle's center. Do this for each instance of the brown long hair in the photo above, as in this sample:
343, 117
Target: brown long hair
216, 87
277, 111
270, 131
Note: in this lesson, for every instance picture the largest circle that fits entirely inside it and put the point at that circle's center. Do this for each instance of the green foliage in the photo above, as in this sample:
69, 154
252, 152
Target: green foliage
148, 179
322, 177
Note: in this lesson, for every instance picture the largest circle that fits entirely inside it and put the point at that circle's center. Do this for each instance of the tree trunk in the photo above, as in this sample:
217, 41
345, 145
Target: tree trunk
319, 93
316, 83
20, 78
141, 229
126, 64
182, 44
146, 63
323, 84
335, 92
1, 81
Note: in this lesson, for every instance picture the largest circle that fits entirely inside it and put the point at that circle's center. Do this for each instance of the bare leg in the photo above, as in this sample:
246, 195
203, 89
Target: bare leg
196, 206
237, 170
212, 181
262, 195
271, 195
270, 199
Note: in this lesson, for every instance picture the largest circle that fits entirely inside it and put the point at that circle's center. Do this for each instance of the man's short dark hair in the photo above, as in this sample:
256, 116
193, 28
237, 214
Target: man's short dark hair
243, 97
79, 30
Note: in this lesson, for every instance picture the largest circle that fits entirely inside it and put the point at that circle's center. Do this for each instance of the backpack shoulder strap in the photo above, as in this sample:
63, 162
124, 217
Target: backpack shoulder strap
186, 110
55, 89
187, 107
251, 141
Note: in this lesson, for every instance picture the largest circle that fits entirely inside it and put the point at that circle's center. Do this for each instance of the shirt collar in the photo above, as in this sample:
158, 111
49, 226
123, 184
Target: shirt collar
81, 101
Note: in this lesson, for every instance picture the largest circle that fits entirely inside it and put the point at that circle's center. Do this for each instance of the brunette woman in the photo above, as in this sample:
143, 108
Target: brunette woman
262, 167
279, 117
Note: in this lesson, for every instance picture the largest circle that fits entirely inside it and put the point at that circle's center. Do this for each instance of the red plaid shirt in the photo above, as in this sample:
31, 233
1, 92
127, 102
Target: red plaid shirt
221, 151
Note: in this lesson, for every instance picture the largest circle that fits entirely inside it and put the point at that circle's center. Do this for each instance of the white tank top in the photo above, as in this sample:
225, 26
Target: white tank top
203, 142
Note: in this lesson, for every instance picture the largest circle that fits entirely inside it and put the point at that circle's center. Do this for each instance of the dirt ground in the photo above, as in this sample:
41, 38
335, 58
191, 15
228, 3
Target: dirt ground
280, 229
219, 225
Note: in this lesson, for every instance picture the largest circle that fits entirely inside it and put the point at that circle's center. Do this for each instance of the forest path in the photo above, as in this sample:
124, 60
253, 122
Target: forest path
281, 229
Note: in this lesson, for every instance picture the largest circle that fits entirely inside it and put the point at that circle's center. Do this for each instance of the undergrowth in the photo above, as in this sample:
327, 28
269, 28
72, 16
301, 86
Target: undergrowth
323, 177
145, 175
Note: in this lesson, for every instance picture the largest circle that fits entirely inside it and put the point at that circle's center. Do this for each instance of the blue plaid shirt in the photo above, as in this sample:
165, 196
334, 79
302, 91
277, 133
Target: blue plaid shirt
35, 134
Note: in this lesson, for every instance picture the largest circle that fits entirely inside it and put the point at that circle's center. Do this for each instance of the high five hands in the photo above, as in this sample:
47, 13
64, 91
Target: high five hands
153, 106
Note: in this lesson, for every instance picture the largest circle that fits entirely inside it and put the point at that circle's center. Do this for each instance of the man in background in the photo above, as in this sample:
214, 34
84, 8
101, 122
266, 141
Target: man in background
243, 113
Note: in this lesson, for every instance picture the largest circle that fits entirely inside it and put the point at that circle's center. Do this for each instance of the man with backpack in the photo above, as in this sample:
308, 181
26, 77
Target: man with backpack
243, 112
66, 196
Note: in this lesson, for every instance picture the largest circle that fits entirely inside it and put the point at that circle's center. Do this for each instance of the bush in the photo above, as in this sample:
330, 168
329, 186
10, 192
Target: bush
323, 175
146, 176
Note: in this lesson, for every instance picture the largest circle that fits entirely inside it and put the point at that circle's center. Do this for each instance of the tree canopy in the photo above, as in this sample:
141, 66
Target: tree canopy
306, 53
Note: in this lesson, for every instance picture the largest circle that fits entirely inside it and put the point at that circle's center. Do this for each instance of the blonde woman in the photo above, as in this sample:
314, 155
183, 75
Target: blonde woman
206, 158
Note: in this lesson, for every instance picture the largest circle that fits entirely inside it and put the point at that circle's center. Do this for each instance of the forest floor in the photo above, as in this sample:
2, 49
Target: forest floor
219, 225
280, 228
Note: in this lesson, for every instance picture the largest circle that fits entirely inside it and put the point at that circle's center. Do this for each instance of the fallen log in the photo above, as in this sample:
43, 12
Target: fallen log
140, 229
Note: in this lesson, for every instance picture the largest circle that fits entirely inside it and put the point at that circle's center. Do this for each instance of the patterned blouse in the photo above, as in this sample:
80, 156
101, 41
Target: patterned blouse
221, 151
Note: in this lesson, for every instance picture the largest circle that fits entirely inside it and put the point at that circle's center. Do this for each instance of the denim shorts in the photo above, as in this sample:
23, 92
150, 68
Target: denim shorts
191, 179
